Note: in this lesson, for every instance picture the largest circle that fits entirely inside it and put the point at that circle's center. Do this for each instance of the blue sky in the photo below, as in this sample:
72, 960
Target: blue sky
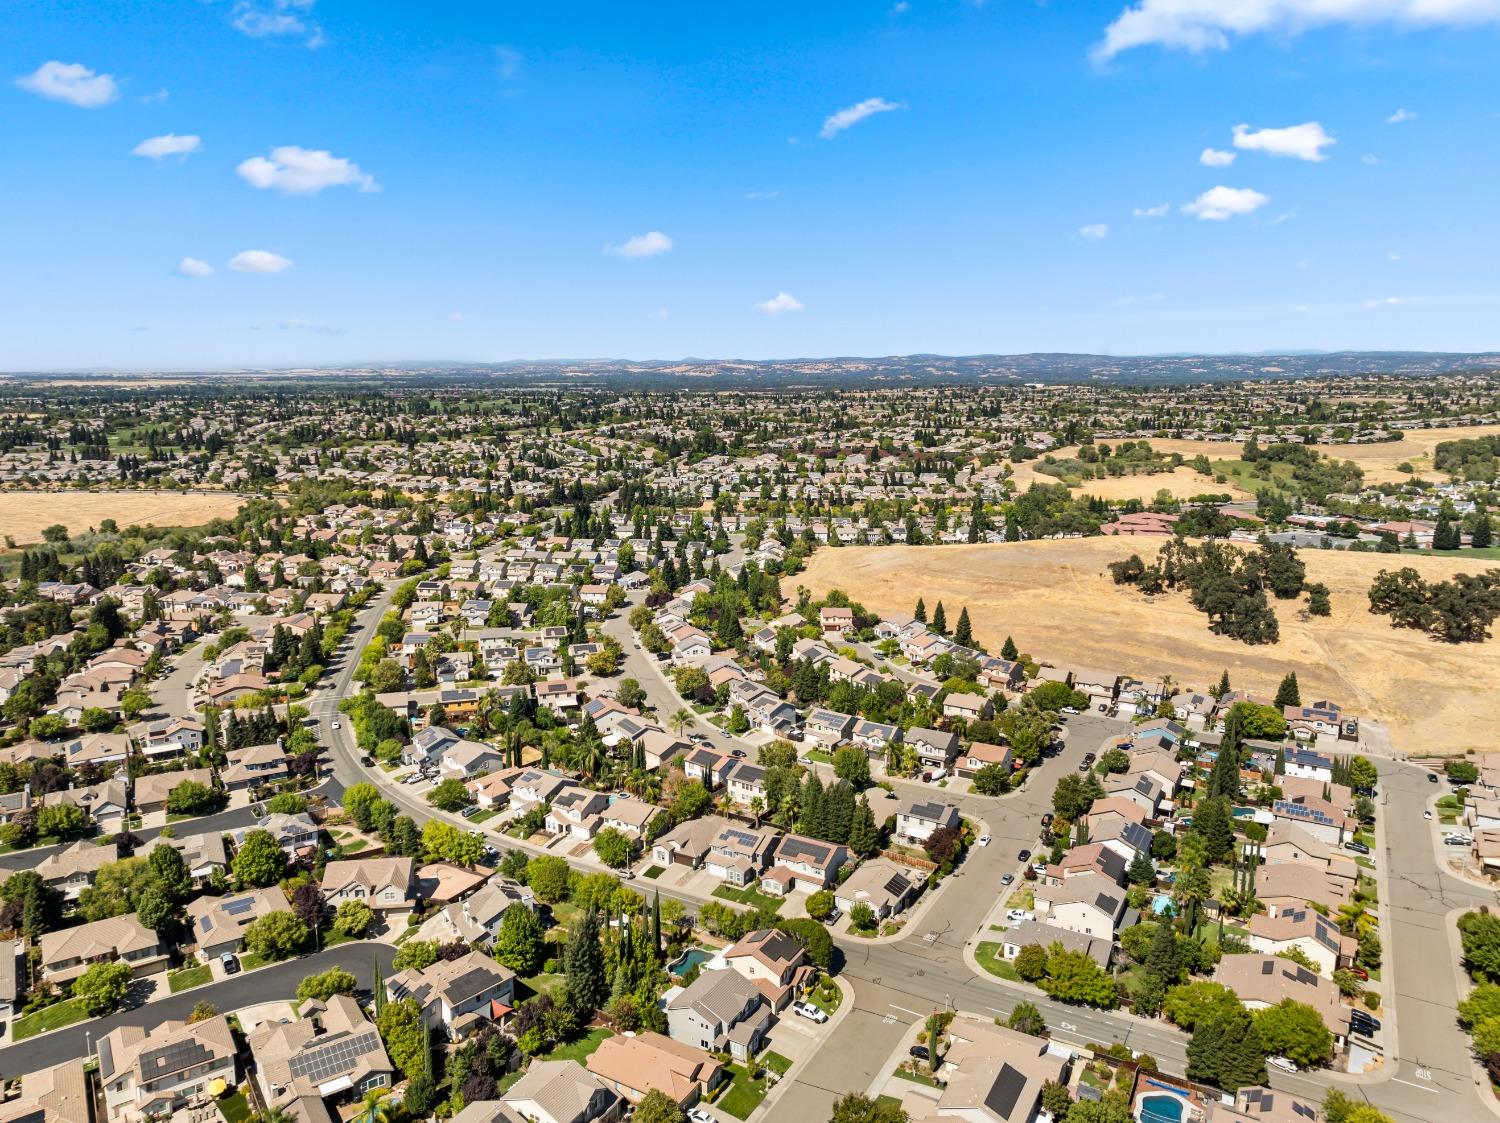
487, 181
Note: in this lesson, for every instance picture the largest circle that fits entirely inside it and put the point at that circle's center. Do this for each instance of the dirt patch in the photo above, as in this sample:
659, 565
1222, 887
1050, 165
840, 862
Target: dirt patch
25, 514
1056, 599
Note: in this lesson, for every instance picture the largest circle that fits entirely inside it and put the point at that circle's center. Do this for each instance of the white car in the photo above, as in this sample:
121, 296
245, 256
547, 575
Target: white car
700, 1115
1015, 916
1070, 711
1427, 814
810, 1012
336, 725
983, 840
1283, 1063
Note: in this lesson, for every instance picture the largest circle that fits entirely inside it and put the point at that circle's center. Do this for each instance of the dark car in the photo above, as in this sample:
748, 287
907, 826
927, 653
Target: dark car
367, 760
1357, 847
738, 754
1432, 777
919, 1052
1024, 856
1047, 819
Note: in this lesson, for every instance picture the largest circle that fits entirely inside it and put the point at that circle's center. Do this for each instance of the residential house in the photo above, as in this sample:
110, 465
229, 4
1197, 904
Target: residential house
385, 884
562, 1092
882, 885
477, 918
969, 707
1090, 903
152, 790
253, 765
994, 1074
71, 870
978, 755
575, 810
634, 1066
773, 961
738, 854
934, 748
332, 1052
827, 727
1306, 930
148, 1073
807, 862
216, 925
916, 819
460, 994
688, 843
69, 952
1267, 980
1028, 932
721, 1011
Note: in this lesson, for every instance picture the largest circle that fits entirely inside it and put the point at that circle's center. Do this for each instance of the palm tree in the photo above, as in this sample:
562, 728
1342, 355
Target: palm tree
757, 806
377, 1107
681, 717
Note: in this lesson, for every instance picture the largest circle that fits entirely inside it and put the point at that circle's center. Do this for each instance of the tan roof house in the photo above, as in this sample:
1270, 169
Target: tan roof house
649, 1061
147, 1073
66, 954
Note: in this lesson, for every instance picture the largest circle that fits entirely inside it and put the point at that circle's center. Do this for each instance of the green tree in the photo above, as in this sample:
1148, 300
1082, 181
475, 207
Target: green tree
613, 848
1141, 871
1480, 933
992, 779
820, 905
1192, 1003
548, 877
1296, 1031
401, 1029
156, 912
102, 987
856, 1108
260, 861
1075, 978
450, 795
850, 763
276, 935
353, 918
658, 1107
1289, 693
583, 964
324, 986
520, 943
1026, 1018
286, 803
1031, 963
1339, 1107
1362, 773
191, 798
1226, 1051
963, 633
171, 873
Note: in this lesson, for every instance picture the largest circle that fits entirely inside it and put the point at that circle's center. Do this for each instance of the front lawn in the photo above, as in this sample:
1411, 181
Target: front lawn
744, 1093
59, 1014
822, 756
481, 816
775, 1062
751, 897
581, 1049
653, 873
826, 998
916, 1077
989, 957
190, 977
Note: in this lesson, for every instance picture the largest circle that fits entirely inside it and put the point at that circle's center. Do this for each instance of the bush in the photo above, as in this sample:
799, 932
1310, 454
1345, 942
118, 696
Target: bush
353, 918
324, 986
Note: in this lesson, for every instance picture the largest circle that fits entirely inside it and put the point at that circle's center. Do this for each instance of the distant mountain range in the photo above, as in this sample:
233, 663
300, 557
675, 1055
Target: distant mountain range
894, 370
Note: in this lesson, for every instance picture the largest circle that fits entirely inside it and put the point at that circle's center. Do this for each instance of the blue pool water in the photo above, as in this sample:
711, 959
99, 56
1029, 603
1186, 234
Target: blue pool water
1161, 904
1160, 1108
688, 960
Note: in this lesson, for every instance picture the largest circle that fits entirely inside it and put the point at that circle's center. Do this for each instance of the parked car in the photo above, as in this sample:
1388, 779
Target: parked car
367, 760
230, 964
1357, 847
1007, 879
738, 754
1047, 819
919, 1052
834, 914
1432, 778
1427, 814
470, 811
1363, 1022
983, 840
700, 1115
1456, 840
336, 725
1024, 856
1070, 711
1282, 1063
810, 1012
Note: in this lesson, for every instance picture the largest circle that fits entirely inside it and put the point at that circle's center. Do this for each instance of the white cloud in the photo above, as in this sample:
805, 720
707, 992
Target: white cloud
781, 302
649, 244
1392, 301
304, 171
192, 267
1302, 142
308, 325
158, 98
1204, 25
899, 7
1159, 211
169, 145
278, 19
71, 82
508, 63
258, 261
1094, 231
1220, 203
854, 114
454, 317
1215, 158
1399, 116
758, 195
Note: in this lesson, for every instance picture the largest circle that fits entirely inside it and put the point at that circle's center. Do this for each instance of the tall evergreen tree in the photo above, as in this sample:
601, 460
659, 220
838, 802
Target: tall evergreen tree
963, 634
864, 835
940, 620
1224, 686
1009, 650
1289, 693
586, 984
920, 612
656, 923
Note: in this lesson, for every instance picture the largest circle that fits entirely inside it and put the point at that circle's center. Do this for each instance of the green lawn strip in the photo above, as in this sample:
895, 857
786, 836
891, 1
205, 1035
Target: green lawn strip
827, 1005
59, 1014
541, 984
989, 957
775, 1062
744, 1093
654, 872
581, 1049
750, 897
481, 816
916, 1077
819, 755
887, 1101
190, 977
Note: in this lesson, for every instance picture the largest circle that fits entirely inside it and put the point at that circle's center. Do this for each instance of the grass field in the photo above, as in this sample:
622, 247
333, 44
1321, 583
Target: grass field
744, 1094
1056, 599
747, 897
581, 1049
989, 957
24, 514
59, 1014
190, 977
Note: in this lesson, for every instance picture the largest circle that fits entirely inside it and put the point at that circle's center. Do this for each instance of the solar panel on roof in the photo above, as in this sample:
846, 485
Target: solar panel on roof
173, 1058
239, 905
333, 1059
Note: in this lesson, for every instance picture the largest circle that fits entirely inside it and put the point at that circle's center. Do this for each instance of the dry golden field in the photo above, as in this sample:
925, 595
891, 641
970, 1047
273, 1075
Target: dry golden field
24, 514
1182, 482
1058, 602
1379, 462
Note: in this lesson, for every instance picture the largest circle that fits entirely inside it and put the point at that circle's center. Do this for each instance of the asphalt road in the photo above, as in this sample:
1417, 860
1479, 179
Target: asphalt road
244, 989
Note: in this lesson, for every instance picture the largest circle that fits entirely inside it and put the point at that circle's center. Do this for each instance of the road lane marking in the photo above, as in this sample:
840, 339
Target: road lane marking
1419, 1087
904, 1010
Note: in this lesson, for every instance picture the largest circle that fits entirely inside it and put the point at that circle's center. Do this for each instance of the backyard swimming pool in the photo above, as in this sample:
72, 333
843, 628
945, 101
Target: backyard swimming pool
688, 960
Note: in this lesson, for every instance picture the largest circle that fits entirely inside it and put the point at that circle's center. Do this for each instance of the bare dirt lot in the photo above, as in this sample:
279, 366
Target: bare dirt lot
1183, 483
1058, 602
1379, 461
24, 514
